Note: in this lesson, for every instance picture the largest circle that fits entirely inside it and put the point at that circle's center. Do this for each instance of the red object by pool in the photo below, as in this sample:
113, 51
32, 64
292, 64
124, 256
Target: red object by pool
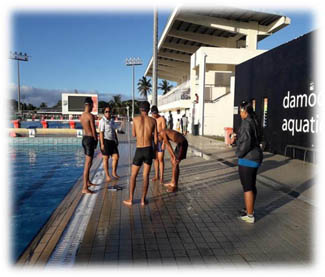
72, 124
44, 124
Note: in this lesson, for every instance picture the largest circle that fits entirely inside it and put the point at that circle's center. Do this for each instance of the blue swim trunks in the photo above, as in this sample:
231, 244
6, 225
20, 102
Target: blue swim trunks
159, 146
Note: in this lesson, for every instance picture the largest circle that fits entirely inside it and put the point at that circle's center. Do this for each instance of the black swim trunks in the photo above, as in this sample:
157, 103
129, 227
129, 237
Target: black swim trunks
110, 147
181, 150
89, 144
143, 154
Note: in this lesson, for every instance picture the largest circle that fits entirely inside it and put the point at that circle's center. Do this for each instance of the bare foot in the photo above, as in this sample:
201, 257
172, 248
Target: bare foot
144, 202
171, 189
128, 202
91, 184
87, 191
116, 176
154, 178
108, 179
169, 184
161, 182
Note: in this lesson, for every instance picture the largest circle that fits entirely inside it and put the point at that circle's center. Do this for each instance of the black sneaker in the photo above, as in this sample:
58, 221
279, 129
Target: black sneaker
242, 211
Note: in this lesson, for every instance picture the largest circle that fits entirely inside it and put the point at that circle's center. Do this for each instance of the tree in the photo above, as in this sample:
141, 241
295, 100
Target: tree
58, 105
144, 87
30, 107
165, 86
117, 100
116, 103
101, 105
43, 105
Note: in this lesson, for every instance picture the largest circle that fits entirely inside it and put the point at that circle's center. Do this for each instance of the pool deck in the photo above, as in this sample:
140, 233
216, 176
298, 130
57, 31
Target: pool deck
198, 224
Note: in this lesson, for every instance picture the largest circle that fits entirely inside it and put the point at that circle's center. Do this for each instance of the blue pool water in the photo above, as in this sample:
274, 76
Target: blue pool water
41, 176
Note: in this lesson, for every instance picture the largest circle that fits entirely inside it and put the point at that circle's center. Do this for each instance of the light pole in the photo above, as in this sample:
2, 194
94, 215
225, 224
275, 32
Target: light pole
127, 109
155, 60
133, 62
18, 57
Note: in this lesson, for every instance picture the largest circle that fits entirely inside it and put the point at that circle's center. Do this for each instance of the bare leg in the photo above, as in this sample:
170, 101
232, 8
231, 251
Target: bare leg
249, 201
156, 166
134, 174
88, 163
115, 158
176, 175
146, 171
161, 166
172, 183
105, 166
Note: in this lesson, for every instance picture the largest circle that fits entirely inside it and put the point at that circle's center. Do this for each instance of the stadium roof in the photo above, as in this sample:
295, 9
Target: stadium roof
187, 30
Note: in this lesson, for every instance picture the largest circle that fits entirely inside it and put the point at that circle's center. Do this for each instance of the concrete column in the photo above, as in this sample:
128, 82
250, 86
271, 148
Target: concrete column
201, 93
232, 95
251, 37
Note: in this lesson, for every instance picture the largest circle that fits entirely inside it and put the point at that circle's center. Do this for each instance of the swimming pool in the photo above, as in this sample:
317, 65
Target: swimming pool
41, 175
51, 124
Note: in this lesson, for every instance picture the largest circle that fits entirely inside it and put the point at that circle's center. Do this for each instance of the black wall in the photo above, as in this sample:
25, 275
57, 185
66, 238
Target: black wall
271, 75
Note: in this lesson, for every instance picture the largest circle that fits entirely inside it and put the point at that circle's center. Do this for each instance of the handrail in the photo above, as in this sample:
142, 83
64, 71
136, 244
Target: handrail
305, 149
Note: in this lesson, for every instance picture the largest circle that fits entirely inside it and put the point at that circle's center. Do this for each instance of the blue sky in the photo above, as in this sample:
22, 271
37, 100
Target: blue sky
87, 51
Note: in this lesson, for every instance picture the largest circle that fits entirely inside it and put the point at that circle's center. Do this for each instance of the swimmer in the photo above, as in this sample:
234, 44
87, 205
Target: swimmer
159, 157
176, 156
144, 128
89, 142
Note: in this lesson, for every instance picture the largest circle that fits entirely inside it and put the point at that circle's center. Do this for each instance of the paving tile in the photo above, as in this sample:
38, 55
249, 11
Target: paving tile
198, 224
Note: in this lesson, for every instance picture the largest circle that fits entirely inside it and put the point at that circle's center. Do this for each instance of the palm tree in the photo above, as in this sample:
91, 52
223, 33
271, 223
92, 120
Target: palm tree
165, 86
116, 103
144, 87
117, 100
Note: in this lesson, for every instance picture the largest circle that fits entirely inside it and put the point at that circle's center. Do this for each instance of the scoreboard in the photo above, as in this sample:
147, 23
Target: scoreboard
73, 103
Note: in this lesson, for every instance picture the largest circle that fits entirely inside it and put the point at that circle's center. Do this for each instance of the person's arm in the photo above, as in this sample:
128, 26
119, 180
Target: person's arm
101, 128
133, 129
244, 140
116, 138
101, 139
93, 128
169, 147
163, 127
163, 124
155, 135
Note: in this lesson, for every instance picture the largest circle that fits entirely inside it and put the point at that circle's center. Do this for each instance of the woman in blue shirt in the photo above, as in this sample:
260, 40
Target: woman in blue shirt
250, 158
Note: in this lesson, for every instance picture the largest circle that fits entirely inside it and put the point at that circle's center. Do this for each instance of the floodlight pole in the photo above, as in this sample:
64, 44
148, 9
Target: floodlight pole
18, 79
128, 115
18, 57
133, 62
133, 87
155, 61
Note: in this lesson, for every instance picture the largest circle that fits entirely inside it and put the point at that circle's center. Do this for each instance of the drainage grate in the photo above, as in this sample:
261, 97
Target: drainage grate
65, 251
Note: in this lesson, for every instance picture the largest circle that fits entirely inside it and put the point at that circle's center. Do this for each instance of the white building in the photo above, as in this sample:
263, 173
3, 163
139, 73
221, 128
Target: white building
199, 50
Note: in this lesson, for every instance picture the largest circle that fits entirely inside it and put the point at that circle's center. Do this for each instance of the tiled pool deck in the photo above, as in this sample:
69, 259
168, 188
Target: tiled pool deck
198, 225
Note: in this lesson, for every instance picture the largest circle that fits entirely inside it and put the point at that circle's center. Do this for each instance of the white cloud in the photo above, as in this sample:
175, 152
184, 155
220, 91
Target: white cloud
35, 96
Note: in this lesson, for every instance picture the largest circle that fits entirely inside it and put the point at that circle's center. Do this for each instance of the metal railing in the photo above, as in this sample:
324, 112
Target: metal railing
181, 92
